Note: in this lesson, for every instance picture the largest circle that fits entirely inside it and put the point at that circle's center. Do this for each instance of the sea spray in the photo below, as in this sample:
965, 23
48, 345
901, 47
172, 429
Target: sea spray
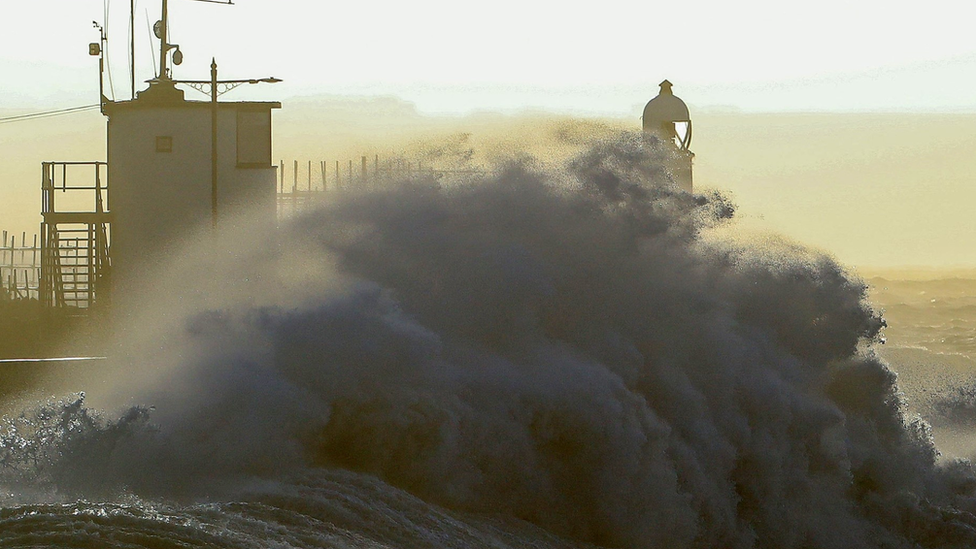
553, 344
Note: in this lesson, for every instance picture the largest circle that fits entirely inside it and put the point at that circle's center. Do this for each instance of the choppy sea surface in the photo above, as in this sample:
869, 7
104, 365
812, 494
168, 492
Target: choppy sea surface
322, 508
931, 344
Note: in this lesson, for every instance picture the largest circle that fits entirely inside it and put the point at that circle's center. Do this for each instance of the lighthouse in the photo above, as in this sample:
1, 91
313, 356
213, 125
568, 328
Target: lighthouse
666, 118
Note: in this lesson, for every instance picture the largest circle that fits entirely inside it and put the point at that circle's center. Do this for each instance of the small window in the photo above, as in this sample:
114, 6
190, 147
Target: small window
254, 138
164, 144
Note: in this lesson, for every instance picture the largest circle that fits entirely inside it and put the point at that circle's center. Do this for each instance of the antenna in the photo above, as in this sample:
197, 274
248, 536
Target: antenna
160, 30
98, 49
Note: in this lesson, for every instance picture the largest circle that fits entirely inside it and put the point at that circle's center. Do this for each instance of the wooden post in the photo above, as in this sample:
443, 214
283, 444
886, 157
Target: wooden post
282, 176
309, 176
322, 165
364, 172
45, 272
3, 258
294, 187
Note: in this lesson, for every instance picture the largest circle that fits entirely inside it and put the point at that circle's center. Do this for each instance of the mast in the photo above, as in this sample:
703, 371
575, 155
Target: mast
98, 48
161, 29
163, 46
132, 46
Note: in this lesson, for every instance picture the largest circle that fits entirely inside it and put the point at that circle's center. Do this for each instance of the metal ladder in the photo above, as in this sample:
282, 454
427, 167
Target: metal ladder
75, 263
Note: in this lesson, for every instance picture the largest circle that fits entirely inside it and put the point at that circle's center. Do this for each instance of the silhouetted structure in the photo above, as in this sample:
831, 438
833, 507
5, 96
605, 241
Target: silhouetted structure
310, 181
173, 164
75, 267
666, 117
19, 267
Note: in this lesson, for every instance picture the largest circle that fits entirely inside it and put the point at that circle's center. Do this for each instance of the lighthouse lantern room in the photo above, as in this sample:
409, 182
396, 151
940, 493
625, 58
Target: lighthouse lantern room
666, 117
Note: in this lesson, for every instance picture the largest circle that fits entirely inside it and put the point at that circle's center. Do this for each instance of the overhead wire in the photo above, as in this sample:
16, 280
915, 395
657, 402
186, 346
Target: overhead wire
152, 51
73, 110
46, 114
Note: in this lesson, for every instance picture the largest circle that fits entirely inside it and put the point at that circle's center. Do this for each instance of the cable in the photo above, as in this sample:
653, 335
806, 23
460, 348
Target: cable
152, 51
46, 114
108, 63
131, 38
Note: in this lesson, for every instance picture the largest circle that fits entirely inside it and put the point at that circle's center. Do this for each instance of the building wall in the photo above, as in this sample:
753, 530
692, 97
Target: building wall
161, 198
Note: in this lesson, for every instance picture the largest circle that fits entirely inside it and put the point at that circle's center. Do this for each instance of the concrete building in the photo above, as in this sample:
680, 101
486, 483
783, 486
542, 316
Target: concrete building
173, 167
161, 174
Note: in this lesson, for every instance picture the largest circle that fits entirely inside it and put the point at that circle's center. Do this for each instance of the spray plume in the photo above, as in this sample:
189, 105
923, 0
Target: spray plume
558, 345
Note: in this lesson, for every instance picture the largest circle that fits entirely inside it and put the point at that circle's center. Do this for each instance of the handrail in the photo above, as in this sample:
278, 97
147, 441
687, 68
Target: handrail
53, 173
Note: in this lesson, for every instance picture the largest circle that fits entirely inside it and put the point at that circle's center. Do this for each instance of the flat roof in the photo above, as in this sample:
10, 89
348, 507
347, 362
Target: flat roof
113, 106
165, 95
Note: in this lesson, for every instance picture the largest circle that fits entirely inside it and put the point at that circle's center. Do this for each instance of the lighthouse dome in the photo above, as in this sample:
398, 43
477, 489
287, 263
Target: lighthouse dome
664, 108
666, 117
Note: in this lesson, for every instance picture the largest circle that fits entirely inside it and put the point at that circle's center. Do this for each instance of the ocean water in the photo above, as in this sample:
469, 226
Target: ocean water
321, 508
931, 344
544, 356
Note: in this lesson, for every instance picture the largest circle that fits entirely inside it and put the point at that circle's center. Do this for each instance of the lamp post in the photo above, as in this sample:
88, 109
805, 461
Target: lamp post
213, 143
213, 88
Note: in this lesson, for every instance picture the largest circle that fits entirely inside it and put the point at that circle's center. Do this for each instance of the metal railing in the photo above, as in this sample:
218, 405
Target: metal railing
75, 234
301, 182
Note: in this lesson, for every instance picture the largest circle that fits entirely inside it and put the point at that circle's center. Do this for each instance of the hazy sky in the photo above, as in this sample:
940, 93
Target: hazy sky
450, 56
875, 191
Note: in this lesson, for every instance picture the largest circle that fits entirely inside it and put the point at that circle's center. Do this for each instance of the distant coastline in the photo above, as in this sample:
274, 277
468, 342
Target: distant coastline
917, 273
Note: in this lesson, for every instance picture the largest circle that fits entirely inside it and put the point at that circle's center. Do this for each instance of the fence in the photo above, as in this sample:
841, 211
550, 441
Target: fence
20, 261
309, 179
20, 267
